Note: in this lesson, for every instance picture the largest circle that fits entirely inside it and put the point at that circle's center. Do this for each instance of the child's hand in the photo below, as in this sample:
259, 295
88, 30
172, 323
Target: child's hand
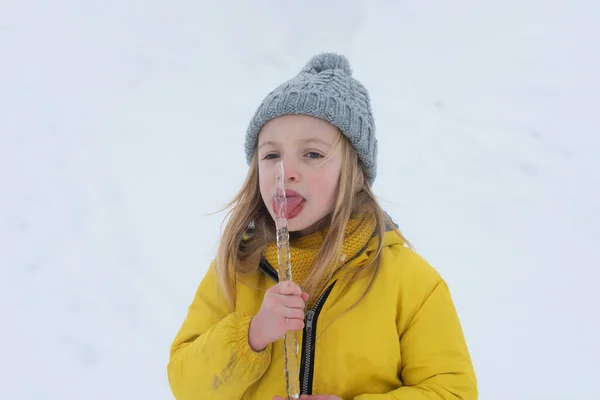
282, 310
313, 397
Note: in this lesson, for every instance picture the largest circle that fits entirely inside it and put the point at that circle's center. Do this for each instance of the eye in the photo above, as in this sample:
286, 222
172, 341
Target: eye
270, 156
313, 154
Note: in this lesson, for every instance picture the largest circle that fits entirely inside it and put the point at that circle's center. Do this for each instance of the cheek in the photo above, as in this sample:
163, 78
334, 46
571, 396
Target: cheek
326, 184
263, 183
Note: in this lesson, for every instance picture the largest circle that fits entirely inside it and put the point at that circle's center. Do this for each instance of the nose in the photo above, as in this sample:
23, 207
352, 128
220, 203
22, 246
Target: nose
290, 170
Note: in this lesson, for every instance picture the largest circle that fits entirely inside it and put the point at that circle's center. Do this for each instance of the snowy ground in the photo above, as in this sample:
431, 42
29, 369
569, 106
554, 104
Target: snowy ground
121, 126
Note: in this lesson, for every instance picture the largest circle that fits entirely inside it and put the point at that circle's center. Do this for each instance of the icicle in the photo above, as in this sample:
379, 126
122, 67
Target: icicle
290, 341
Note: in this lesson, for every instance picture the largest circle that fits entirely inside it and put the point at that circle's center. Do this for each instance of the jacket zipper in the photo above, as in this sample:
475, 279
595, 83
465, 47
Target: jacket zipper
307, 363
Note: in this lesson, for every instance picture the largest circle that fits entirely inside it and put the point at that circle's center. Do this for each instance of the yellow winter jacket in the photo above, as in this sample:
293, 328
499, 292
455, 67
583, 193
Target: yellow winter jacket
403, 341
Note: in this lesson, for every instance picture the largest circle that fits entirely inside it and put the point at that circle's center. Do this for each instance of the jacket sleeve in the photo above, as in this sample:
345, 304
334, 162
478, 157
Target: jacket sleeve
210, 357
436, 364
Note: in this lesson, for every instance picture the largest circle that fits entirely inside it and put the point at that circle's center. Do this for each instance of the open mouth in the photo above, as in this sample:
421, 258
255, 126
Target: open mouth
295, 204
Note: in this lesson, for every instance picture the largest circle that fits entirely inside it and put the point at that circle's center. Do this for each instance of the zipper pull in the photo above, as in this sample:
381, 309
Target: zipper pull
310, 314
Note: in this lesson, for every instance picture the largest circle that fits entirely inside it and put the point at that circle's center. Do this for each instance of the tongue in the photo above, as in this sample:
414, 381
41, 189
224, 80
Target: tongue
292, 203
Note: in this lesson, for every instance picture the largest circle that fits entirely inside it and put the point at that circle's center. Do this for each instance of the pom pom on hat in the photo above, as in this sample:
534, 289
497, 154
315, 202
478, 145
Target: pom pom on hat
327, 61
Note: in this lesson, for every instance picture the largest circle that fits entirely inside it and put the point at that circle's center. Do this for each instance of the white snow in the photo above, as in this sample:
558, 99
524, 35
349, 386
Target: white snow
122, 125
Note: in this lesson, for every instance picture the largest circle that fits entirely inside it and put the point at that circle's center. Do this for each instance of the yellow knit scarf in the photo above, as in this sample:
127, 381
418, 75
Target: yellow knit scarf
304, 250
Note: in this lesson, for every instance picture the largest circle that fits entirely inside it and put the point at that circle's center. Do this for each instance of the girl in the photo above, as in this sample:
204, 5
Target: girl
375, 321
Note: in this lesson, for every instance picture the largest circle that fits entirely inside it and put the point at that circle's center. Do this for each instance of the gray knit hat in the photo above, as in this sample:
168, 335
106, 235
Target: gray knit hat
325, 89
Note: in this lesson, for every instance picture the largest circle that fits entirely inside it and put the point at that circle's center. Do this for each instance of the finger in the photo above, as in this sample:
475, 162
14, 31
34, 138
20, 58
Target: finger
290, 313
278, 398
292, 301
305, 296
294, 324
288, 287
295, 313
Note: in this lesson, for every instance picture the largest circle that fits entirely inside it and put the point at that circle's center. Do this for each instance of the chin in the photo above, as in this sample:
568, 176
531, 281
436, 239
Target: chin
301, 224
295, 226
303, 227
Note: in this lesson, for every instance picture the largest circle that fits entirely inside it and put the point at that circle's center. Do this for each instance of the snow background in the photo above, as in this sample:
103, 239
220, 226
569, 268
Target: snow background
121, 128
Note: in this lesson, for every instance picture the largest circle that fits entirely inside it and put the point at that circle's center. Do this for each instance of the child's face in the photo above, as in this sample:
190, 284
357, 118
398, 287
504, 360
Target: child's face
301, 142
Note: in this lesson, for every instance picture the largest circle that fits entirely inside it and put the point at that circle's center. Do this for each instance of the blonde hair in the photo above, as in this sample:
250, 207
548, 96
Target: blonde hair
240, 252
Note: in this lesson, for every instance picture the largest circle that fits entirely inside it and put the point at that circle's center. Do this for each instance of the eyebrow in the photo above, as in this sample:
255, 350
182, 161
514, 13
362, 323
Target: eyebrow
308, 140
